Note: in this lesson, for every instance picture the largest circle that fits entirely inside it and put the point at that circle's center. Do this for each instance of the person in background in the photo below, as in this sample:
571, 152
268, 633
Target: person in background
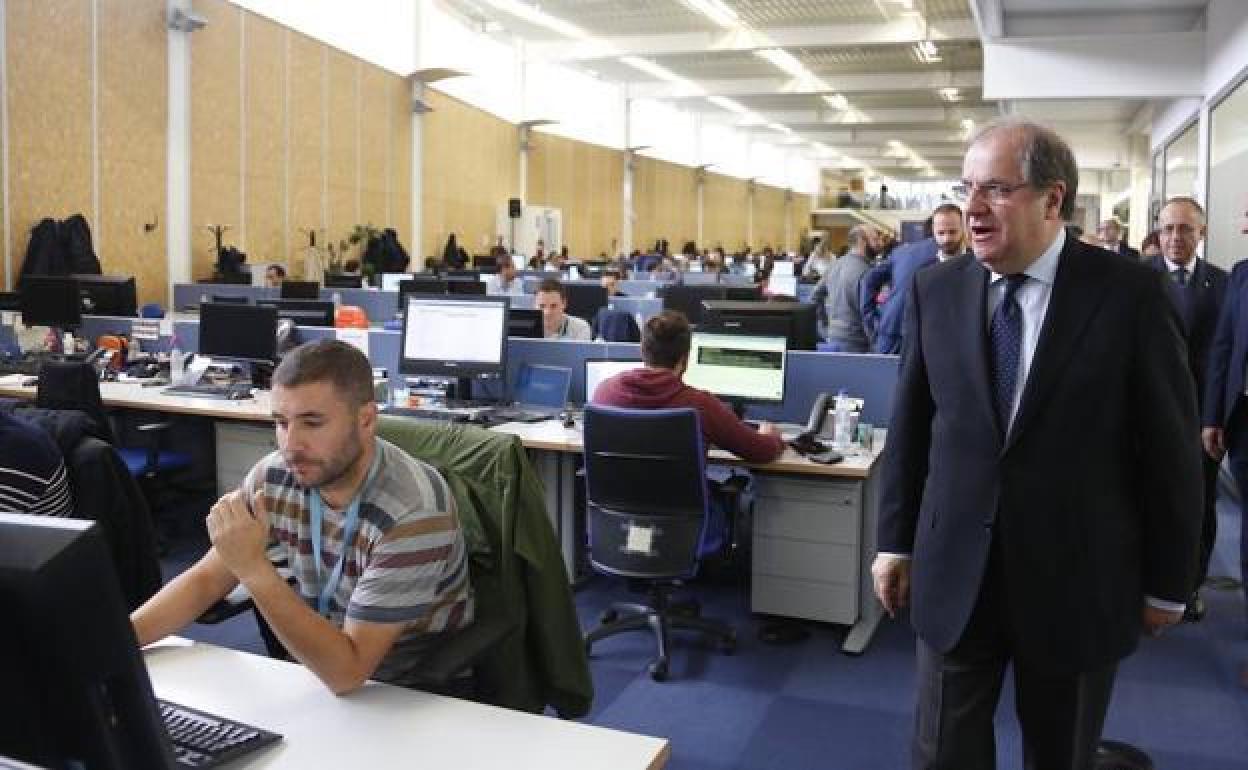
32, 471
508, 282
1109, 233
665, 344
453, 257
838, 293
274, 275
611, 282
1151, 245
818, 262
552, 300
538, 260
1197, 289
499, 253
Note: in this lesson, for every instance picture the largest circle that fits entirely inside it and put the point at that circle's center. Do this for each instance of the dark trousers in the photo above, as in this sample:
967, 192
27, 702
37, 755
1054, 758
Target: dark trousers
1209, 519
1060, 714
1237, 451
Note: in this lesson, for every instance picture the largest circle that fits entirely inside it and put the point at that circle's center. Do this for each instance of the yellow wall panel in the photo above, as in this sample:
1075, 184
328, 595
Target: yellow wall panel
664, 204
470, 168
307, 137
132, 86
215, 131
399, 94
49, 94
725, 212
769, 217
343, 149
375, 145
264, 79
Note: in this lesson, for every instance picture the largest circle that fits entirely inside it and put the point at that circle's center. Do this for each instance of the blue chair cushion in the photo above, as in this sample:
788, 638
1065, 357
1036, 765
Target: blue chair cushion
136, 462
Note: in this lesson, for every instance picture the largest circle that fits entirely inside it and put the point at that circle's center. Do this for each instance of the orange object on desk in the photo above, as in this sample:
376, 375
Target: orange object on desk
350, 317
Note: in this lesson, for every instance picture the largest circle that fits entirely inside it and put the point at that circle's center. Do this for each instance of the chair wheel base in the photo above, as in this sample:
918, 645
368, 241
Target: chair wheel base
658, 671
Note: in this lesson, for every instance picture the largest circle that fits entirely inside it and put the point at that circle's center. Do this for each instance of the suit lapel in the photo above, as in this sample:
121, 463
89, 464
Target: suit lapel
1075, 297
973, 340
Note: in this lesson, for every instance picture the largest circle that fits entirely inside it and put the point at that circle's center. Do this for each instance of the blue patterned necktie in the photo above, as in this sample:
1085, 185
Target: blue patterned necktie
1006, 336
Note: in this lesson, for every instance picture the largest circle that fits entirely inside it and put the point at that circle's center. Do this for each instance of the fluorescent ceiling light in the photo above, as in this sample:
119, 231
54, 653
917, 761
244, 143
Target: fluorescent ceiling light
836, 101
927, 52
662, 73
780, 128
542, 19
716, 11
728, 104
784, 61
950, 94
1174, 163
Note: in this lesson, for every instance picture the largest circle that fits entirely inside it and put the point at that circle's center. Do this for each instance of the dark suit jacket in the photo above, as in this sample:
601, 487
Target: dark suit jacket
1206, 290
1090, 496
1228, 352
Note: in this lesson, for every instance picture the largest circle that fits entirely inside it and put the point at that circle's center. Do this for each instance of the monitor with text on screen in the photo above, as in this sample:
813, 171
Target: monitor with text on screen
739, 367
454, 336
391, 281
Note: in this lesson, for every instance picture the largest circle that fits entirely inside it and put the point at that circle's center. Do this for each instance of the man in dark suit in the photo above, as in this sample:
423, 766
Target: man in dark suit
1109, 233
1196, 288
1041, 467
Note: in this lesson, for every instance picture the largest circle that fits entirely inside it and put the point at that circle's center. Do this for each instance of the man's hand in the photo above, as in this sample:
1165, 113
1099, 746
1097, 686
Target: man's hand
239, 536
891, 575
768, 429
1213, 439
1157, 620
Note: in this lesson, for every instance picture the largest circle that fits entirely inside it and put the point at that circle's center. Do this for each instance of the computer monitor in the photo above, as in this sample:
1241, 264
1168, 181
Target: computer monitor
743, 293
421, 285
454, 336
231, 278
599, 370
108, 295
542, 385
301, 290
76, 692
688, 299
525, 322
474, 275
737, 367
795, 321
391, 281
342, 281
51, 301
585, 300
10, 301
230, 299
465, 286
240, 332
304, 312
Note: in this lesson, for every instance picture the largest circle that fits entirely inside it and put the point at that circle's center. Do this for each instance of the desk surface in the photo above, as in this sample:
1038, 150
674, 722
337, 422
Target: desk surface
381, 726
552, 436
133, 395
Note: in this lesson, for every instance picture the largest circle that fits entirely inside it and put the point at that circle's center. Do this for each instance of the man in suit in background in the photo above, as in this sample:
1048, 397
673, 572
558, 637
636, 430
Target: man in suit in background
1197, 289
1109, 233
1041, 467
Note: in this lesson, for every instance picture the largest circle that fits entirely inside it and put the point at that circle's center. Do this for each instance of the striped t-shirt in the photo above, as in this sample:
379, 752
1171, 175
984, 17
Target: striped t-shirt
408, 563
32, 471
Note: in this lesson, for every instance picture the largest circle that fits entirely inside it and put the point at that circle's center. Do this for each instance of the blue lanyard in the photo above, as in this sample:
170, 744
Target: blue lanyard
351, 522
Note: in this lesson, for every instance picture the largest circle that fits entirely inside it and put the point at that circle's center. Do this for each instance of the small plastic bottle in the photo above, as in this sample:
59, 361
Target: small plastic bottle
844, 423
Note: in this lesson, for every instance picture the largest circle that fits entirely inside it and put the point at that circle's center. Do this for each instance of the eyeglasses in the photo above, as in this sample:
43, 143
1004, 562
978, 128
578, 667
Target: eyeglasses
996, 192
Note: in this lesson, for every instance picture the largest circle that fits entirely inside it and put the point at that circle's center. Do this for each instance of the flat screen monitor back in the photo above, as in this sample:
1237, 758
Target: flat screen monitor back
51, 301
585, 300
688, 299
304, 312
301, 290
243, 332
342, 281
75, 692
108, 295
466, 286
525, 322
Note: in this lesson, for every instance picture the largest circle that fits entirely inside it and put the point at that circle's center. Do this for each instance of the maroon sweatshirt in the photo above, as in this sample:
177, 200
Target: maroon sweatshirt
660, 389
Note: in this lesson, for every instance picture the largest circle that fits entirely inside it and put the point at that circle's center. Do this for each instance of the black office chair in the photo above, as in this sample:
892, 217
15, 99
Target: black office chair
650, 520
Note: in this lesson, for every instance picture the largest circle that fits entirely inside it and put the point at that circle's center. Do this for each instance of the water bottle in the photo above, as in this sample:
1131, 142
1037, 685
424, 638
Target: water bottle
337, 299
843, 421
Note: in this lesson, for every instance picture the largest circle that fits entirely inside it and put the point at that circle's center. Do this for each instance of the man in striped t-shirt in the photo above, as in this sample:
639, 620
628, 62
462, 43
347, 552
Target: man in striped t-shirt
32, 471
372, 535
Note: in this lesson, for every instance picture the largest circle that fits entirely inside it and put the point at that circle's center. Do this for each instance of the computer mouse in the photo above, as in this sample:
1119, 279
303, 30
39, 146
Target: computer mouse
826, 458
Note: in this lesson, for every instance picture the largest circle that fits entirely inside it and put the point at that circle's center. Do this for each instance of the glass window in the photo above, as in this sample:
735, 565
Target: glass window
1181, 163
1228, 168
1159, 192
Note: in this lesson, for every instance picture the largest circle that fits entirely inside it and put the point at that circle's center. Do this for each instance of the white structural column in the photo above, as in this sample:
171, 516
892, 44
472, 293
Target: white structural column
417, 246
627, 215
178, 156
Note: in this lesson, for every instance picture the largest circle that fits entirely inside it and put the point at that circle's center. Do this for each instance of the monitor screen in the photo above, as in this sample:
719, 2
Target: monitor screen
466, 286
304, 312
108, 295
473, 275
243, 332
598, 370
76, 692
585, 300
301, 290
737, 366
51, 301
525, 322
342, 281
688, 299
795, 321
11, 301
454, 336
391, 281
541, 385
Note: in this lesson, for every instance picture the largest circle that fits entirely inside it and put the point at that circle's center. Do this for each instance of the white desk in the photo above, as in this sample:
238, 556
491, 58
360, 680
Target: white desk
381, 726
814, 528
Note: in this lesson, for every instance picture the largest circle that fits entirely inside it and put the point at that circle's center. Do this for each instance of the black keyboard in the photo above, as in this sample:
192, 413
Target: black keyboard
28, 367
514, 414
443, 415
205, 740
222, 392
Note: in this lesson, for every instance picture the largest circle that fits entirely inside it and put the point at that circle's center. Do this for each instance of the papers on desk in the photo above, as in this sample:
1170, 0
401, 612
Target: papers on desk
12, 380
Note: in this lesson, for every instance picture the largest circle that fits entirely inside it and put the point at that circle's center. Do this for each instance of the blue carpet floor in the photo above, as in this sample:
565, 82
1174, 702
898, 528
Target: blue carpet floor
805, 705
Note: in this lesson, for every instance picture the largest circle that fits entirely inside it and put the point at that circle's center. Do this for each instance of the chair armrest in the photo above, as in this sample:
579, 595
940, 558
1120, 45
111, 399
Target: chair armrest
461, 650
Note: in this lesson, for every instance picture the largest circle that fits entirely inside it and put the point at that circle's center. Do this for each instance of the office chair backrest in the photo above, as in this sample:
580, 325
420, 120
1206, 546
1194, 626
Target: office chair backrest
73, 385
645, 490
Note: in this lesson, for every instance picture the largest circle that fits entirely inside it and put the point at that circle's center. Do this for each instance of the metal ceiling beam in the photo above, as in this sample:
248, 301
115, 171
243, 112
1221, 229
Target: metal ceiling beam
793, 118
844, 84
900, 31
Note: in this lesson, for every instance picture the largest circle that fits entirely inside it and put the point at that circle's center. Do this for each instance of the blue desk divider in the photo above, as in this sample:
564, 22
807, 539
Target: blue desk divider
378, 305
872, 378
641, 288
699, 279
527, 301
187, 294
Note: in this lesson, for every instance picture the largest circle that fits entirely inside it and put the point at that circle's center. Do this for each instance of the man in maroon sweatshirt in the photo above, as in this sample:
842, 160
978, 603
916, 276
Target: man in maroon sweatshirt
657, 385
